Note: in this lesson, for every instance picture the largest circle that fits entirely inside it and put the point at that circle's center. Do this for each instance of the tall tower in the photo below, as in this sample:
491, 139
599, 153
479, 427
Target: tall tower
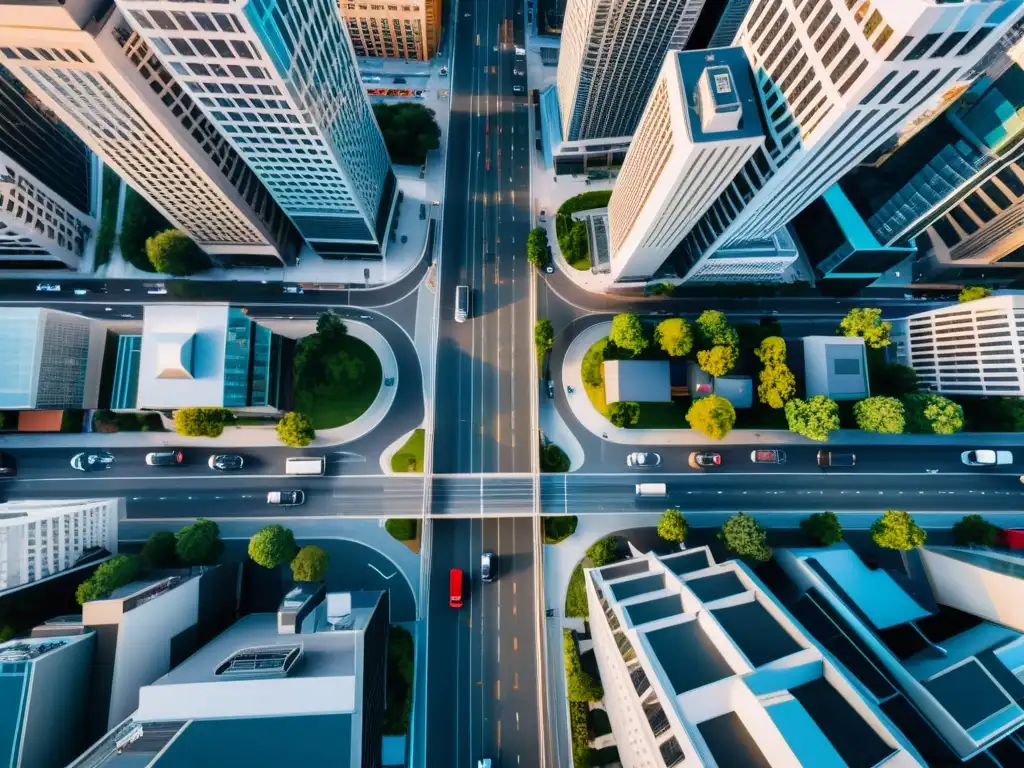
411, 30
611, 53
836, 79
279, 79
84, 62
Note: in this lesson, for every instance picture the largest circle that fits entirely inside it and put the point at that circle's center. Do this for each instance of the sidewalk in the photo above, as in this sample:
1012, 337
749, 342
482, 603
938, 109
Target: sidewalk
594, 422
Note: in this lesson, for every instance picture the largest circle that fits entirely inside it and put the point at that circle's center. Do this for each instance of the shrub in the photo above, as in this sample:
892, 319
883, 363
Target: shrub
409, 130
973, 293
712, 416
537, 247
892, 379
718, 360
673, 526
771, 351
585, 201
158, 551
272, 545
674, 337
974, 529
885, 415
110, 575
928, 413
580, 734
814, 418
745, 537
296, 430
590, 369
623, 414
199, 543
581, 686
543, 337
559, 528
823, 528
310, 564
553, 459
139, 222
897, 530
602, 551
401, 528
629, 334
714, 330
576, 605
400, 680
776, 385
868, 325
202, 422
172, 252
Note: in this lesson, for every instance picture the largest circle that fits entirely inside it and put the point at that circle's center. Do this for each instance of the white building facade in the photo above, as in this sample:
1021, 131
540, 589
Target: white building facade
610, 56
699, 129
85, 63
279, 80
975, 348
40, 539
837, 78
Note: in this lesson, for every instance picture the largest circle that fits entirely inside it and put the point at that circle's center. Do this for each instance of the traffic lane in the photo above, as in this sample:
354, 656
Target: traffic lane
486, 598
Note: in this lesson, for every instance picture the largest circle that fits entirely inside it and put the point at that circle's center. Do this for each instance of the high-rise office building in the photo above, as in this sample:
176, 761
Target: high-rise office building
700, 127
82, 59
836, 78
407, 30
280, 81
687, 21
45, 176
729, 23
40, 539
610, 57
975, 348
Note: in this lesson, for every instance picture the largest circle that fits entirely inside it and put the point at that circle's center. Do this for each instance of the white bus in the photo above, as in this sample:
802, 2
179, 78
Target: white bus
305, 465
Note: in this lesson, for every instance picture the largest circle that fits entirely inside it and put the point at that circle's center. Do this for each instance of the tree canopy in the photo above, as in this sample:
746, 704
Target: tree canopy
714, 329
202, 422
579, 684
173, 253
409, 130
559, 527
973, 293
928, 413
321, 358
893, 379
776, 385
823, 528
673, 526
111, 574
718, 360
199, 543
771, 351
897, 530
623, 414
975, 530
272, 545
537, 246
867, 323
139, 222
674, 337
885, 415
814, 418
310, 564
295, 430
543, 336
712, 416
745, 537
628, 333
553, 459
602, 551
158, 551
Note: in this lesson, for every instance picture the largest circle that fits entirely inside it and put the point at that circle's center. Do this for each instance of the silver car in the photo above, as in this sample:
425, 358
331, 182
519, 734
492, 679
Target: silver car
983, 457
643, 460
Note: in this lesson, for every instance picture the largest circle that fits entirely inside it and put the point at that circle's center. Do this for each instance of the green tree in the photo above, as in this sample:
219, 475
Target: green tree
814, 418
321, 358
623, 414
867, 323
629, 334
173, 253
714, 330
199, 543
771, 351
994, 414
973, 293
712, 416
776, 385
559, 527
553, 459
158, 551
111, 574
823, 528
543, 337
410, 131
591, 369
602, 551
295, 430
139, 222
928, 413
674, 337
580, 685
272, 545
718, 360
401, 664
975, 530
537, 246
897, 530
310, 564
673, 526
745, 537
880, 414
202, 422
893, 379
401, 528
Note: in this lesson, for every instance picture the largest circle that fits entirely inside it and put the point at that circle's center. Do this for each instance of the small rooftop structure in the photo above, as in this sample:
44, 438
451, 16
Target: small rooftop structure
836, 367
738, 390
637, 381
721, 101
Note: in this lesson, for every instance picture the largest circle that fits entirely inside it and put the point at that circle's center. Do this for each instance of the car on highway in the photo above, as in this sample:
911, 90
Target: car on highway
833, 459
643, 460
293, 290
983, 457
487, 566
226, 462
286, 498
705, 459
165, 458
92, 462
551, 390
156, 289
768, 456
518, 89
518, 72
8, 468
48, 287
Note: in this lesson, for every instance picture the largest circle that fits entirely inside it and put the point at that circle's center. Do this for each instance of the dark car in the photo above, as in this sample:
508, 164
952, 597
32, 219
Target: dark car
487, 566
551, 390
832, 459
92, 462
705, 459
165, 458
7, 466
226, 462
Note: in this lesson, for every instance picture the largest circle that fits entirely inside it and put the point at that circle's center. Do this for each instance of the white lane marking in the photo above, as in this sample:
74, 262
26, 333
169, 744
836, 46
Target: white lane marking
378, 570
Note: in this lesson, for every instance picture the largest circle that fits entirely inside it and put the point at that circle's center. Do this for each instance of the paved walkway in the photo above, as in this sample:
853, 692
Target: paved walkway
555, 430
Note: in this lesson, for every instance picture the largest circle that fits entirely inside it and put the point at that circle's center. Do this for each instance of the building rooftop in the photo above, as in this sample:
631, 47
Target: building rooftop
836, 366
721, 101
21, 336
637, 381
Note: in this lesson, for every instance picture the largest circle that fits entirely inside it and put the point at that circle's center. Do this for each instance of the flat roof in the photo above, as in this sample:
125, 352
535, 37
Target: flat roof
740, 91
626, 589
716, 586
688, 656
738, 390
637, 381
688, 562
628, 568
21, 339
730, 742
967, 693
756, 632
836, 366
655, 610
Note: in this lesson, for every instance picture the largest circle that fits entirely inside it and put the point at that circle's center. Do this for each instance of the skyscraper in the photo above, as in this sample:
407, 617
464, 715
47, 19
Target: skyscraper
611, 54
84, 62
278, 78
729, 23
411, 30
837, 78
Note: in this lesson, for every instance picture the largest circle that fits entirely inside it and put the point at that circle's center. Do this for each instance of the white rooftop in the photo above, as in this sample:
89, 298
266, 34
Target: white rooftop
837, 367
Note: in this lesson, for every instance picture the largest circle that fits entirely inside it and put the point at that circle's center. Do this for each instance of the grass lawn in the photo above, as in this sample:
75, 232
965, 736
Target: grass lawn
337, 405
576, 595
582, 263
664, 415
410, 456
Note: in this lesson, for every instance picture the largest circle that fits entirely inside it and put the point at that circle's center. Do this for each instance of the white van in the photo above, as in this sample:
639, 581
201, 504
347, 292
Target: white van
652, 490
461, 303
305, 465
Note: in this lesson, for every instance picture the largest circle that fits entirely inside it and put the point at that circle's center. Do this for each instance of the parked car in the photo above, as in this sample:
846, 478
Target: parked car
294, 290
518, 89
643, 460
487, 566
833, 459
983, 457
165, 458
226, 462
92, 462
768, 456
705, 459
48, 287
286, 498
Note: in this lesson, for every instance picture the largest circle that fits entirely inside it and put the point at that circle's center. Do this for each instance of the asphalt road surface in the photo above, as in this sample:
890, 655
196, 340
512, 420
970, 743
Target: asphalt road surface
483, 409
482, 675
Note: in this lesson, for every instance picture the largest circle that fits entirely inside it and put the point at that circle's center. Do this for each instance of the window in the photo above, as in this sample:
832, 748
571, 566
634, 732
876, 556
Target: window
895, 52
923, 46
949, 44
980, 35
